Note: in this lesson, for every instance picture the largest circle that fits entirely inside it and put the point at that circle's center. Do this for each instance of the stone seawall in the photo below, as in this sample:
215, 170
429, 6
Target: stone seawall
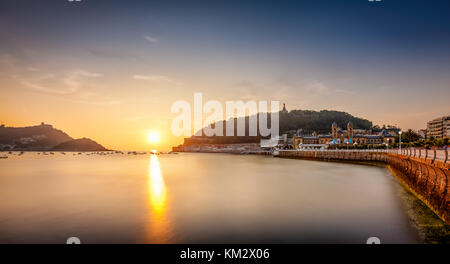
429, 180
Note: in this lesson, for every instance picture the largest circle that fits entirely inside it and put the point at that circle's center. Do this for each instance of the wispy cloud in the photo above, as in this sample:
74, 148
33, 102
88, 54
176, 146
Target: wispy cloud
156, 78
320, 88
111, 53
105, 102
32, 69
67, 84
73, 80
151, 39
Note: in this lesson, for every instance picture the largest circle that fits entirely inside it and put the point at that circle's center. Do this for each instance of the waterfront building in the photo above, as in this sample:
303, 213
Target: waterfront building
339, 136
439, 127
422, 133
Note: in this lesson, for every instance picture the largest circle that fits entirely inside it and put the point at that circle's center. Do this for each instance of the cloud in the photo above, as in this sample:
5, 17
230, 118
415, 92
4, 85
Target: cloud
151, 39
112, 53
155, 78
74, 85
104, 102
316, 88
73, 80
68, 84
32, 69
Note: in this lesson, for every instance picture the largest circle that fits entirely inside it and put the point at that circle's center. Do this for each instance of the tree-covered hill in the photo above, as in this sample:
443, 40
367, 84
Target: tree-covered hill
307, 120
320, 121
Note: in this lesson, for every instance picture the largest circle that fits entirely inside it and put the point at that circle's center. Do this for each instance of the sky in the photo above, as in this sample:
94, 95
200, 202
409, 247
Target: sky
110, 70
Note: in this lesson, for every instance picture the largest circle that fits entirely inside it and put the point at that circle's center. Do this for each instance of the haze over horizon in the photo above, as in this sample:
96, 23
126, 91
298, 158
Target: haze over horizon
110, 70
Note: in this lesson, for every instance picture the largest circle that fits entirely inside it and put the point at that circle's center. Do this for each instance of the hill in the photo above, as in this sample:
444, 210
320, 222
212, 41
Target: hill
307, 120
34, 137
82, 144
41, 138
319, 122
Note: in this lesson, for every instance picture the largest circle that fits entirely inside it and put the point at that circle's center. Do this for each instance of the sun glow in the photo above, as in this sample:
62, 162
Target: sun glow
153, 137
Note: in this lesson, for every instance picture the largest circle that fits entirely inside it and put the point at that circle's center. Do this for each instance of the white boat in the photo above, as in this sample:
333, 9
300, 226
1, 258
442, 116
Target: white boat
275, 153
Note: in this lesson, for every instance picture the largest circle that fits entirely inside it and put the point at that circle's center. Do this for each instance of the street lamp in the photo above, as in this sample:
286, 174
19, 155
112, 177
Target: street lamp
400, 137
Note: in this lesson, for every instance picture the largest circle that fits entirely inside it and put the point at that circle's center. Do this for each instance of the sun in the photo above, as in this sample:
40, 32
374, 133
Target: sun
153, 137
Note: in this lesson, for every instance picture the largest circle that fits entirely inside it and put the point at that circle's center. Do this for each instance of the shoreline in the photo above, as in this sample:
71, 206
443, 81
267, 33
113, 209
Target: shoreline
431, 228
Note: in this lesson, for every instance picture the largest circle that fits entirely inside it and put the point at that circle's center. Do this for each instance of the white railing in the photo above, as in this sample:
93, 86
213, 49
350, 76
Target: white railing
428, 154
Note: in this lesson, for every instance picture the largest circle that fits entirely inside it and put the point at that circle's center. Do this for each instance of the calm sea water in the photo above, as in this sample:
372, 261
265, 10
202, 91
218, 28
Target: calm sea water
197, 198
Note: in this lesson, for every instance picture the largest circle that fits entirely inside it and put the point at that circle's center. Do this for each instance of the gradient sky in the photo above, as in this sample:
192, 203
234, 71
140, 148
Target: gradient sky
110, 70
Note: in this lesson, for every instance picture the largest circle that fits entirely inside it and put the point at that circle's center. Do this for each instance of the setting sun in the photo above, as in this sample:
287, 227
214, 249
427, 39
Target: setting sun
153, 137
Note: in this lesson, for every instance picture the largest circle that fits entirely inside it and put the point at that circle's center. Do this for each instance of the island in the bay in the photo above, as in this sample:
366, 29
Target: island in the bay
43, 137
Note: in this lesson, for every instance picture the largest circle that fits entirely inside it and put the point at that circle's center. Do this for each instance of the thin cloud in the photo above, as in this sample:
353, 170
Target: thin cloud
155, 78
73, 79
32, 69
104, 103
111, 53
68, 84
151, 39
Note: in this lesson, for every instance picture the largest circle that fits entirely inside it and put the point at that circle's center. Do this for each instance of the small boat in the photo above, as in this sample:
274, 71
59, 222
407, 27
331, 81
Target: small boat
3, 157
275, 153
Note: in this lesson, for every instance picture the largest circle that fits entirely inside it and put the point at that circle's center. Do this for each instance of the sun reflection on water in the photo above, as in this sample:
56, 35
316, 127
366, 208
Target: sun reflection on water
157, 186
158, 228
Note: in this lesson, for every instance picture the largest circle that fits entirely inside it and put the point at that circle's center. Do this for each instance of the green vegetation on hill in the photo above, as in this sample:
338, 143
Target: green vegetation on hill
320, 122
307, 120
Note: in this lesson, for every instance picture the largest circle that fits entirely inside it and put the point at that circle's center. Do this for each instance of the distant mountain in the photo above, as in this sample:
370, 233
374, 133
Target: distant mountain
82, 144
41, 137
307, 120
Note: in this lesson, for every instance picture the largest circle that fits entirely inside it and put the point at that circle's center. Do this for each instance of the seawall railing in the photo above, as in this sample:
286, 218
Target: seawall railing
430, 155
